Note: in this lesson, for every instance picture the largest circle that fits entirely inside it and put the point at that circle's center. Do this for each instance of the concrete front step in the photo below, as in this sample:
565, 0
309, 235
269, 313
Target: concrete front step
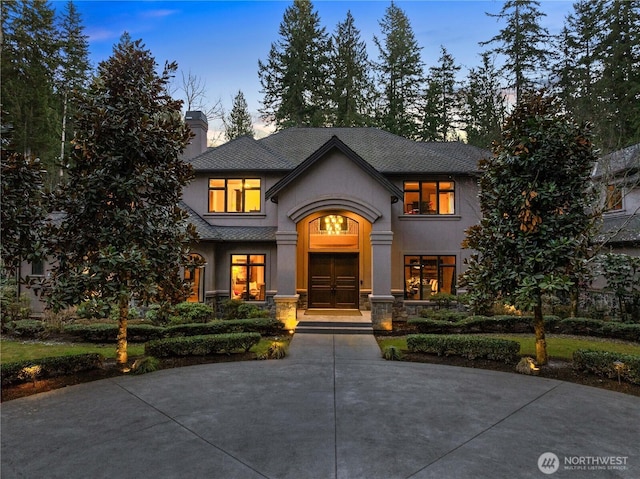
337, 327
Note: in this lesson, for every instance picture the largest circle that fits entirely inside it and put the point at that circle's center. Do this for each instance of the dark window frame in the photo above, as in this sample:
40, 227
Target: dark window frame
422, 207
225, 190
416, 291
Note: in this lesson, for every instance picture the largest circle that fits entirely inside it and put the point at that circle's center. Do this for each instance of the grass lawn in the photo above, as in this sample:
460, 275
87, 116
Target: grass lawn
11, 350
558, 346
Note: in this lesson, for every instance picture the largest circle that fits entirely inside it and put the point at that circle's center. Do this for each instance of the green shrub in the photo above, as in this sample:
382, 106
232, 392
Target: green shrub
26, 328
479, 324
607, 364
201, 345
108, 332
470, 347
392, 353
238, 309
185, 313
444, 314
30, 370
264, 326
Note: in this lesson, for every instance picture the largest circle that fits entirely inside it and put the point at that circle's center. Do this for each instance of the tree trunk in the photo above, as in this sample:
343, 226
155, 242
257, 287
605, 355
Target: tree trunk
121, 351
575, 300
541, 342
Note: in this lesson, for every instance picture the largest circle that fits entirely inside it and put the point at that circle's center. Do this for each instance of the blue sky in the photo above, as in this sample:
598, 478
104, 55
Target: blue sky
221, 41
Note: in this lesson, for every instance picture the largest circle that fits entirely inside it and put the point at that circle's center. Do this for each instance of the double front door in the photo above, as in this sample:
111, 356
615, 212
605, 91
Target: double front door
333, 280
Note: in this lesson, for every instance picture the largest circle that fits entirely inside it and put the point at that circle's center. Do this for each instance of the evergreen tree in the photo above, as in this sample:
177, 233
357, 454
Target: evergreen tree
522, 43
442, 101
484, 104
401, 74
351, 85
23, 210
535, 200
30, 57
239, 122
619, 87
577, 68
295, 75
123, 236
74, 70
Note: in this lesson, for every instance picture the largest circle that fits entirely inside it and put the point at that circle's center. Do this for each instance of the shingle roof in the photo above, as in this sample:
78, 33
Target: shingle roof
243, 153
625, 160
386, 152
209, 232
623, 229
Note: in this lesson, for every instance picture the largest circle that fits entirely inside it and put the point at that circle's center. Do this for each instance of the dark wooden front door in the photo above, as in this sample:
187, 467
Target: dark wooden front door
333, 280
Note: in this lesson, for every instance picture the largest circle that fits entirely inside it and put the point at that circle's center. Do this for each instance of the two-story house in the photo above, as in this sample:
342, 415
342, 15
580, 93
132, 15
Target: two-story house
338, 218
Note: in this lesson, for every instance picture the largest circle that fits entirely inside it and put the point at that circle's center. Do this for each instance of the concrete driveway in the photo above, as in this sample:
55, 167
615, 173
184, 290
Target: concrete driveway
331, 409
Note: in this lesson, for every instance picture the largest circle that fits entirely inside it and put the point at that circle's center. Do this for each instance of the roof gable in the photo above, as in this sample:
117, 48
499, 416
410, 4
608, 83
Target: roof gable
333, 143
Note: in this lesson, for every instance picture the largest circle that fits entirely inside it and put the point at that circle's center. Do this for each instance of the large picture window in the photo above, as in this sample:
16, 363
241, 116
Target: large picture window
247, 277
429, 197
234, 195
428, 275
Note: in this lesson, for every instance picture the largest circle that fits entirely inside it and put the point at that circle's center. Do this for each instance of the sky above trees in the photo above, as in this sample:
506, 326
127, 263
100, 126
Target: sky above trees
222, 41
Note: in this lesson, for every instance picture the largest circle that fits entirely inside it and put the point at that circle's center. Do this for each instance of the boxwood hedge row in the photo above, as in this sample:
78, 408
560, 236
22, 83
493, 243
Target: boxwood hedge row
470, 347
607, 364
201, 345
32, 369
107, 332
524, 324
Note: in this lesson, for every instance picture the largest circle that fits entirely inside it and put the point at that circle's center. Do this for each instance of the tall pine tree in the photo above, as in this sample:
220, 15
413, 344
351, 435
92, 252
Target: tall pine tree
294, 76
401, 74
484, 104
351, 87
238, 123
442, 106
74, 71
30, 57
522, 43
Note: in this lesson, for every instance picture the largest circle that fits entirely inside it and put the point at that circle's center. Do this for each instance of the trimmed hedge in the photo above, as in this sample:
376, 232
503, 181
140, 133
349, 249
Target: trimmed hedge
470, 347
201, 345
141, 333
602, 363
444, 314
524, 324
264, 326
25, 328
108, 332
29, 370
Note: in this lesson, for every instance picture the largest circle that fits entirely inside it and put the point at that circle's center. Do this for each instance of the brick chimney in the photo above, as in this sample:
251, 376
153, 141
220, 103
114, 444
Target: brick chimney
197, 122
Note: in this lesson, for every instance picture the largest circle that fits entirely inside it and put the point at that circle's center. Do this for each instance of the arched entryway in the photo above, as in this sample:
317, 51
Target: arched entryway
334, 260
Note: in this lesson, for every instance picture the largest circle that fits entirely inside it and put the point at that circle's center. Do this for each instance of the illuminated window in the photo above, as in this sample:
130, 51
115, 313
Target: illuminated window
429, 197
247, 277
428, 275
234, 195
333, 231
613, 201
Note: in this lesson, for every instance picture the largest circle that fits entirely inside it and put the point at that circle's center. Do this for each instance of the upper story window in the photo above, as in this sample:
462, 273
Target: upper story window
613, 199
429, 197
234, 195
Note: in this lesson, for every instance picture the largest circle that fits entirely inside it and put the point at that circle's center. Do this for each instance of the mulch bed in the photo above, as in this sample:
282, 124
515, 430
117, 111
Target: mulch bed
556, 369
110, 370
